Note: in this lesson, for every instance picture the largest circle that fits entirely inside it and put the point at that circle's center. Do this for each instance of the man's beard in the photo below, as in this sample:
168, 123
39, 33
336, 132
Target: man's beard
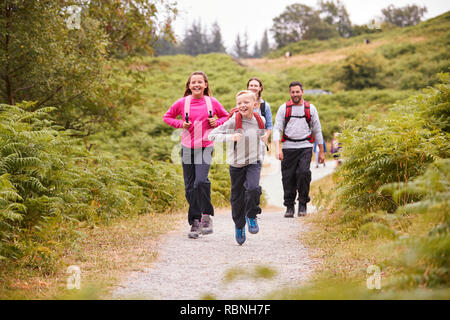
296, 100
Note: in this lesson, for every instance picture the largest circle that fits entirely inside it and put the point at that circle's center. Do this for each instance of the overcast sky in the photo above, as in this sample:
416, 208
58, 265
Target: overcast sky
254, 16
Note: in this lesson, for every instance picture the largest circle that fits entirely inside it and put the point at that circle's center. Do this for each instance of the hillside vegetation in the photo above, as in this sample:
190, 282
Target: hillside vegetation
55, 185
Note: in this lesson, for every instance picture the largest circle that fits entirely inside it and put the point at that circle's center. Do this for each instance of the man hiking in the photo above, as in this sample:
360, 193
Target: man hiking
297, 125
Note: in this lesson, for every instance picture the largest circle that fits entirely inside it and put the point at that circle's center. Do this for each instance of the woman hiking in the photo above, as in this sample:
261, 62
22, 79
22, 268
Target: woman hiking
197, 110
263, 107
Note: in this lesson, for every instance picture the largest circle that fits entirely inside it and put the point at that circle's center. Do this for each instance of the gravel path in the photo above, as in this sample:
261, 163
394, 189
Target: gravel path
190, 269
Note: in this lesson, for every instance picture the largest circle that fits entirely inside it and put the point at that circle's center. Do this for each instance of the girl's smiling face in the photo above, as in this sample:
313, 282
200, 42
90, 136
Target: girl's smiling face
197, 85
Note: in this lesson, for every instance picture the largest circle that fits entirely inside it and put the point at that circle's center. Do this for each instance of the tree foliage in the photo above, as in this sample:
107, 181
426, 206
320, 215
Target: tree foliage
301, 22
196, 40
265, 46
409, 15
131, 25
335, 14
291, 25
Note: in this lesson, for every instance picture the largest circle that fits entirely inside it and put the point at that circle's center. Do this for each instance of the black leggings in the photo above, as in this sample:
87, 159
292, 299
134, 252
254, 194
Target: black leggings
196, 163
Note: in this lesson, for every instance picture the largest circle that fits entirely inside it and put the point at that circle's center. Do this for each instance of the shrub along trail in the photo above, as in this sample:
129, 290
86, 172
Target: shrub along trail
216, 266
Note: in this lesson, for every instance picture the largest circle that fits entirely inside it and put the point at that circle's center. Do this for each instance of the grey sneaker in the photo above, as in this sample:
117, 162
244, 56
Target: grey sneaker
302, 209
206, 224
195, 229
289, 212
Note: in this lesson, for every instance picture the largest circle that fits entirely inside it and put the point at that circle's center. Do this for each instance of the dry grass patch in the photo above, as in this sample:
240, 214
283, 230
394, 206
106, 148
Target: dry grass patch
322, 57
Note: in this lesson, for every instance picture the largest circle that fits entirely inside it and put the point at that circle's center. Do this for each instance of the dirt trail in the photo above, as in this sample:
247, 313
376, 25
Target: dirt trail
191, 269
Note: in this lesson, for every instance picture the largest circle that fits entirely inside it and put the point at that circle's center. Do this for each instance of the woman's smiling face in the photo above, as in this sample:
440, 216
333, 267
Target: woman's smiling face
197, 85
254, 86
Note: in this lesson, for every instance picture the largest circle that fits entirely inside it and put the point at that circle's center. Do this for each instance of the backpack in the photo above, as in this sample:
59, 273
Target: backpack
288, 117
238, 123
238, 119
187, 106
262, 108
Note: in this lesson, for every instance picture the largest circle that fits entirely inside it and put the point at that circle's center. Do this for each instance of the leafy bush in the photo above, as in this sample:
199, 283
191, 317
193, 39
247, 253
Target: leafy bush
48, 179
359, 71
425, 258
393, 148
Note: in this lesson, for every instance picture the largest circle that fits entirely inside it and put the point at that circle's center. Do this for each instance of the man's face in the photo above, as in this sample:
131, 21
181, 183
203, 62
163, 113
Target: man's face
296, 93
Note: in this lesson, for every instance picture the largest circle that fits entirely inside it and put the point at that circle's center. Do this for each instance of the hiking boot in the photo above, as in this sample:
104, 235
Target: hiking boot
252, 224
206, 224
195, 229
240, 235
289, 212
302, 209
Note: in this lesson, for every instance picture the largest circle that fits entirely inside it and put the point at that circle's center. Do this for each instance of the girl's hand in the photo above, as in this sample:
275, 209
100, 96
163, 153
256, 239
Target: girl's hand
236, 137
186, 125
212, 122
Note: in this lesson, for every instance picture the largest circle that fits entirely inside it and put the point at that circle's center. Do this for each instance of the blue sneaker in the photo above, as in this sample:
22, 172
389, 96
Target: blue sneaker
240, 235
252, 224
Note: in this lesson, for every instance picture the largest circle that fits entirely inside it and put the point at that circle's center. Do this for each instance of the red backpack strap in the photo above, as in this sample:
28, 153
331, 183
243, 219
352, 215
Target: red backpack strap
259, 120
308, 119
287, 117
187, 107
232, 111
290, 103
238, 121
307, 112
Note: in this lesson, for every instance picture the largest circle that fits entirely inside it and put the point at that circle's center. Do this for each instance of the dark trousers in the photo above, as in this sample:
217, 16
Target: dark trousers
196, 163
296, 175
245, 192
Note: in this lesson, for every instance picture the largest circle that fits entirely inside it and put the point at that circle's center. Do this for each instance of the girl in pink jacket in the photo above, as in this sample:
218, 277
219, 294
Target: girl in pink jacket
197, 110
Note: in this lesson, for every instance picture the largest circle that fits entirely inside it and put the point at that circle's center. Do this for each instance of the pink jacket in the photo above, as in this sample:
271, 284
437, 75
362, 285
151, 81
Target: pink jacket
197, 135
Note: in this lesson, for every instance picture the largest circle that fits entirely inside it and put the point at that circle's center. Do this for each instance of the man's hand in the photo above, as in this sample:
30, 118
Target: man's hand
321, 154
186, 125
279, 154
321, 157
278, 151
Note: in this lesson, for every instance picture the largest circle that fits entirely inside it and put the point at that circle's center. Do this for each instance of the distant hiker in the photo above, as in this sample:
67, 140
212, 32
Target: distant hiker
316, 153
243, 132
366, 41
197, 110
336, 148
296, 123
